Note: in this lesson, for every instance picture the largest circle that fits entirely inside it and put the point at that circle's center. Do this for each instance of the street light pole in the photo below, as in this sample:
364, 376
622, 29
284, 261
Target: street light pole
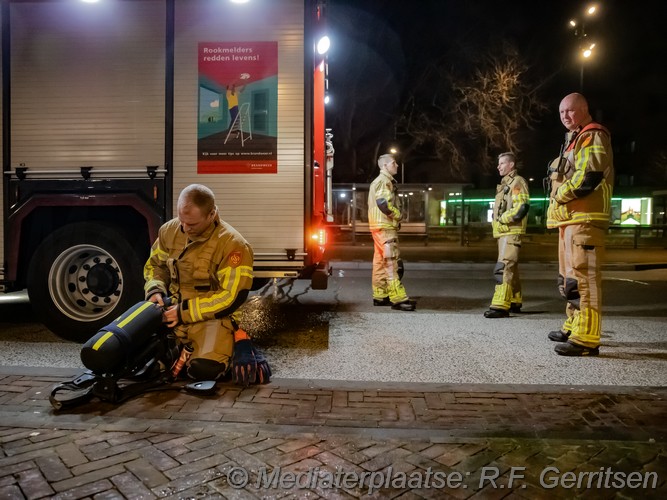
585, 49
586, 53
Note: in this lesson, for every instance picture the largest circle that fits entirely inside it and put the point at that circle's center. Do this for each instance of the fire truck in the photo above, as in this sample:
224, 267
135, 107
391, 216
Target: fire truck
111, 107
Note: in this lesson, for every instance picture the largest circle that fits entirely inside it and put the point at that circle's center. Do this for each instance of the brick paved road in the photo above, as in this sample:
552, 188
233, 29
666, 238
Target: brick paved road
175, 445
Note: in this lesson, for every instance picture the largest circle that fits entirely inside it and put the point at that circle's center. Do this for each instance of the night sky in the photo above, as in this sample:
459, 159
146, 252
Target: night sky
379, 48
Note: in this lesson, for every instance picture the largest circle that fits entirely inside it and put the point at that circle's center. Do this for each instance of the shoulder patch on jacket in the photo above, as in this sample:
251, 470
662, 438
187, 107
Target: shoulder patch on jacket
587, 141
235, 258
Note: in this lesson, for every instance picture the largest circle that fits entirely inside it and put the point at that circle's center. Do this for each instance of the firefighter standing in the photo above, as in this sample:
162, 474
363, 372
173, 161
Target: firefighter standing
509, 223
384, 217
582, 178
204, 265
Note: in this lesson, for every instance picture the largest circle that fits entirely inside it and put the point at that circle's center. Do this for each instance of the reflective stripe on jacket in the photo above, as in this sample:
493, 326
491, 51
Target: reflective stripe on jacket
511, 206
574, 199
209, 277
384, 204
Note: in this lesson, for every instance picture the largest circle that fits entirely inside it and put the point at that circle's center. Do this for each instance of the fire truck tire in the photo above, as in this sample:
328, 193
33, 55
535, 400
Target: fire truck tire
82, 277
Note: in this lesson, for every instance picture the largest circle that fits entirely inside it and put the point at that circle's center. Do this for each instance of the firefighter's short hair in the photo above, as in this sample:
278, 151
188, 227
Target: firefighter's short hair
198, 195
384, 159
509, 155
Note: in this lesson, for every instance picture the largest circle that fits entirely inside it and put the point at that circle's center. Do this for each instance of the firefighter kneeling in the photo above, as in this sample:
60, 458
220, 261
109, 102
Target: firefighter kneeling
205, 266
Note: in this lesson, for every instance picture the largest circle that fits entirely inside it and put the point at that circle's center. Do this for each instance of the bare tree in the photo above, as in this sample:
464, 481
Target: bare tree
465, 117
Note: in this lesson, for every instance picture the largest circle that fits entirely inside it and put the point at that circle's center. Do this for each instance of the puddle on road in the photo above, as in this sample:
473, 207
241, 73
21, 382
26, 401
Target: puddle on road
275, 317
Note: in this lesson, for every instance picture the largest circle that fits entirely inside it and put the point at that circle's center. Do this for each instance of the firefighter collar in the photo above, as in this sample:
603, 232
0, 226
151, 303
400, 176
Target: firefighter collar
387, 174
570, 137
509, 177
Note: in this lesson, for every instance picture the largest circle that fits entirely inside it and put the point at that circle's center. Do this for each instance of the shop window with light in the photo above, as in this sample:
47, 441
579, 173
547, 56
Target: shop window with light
635, 212
443, 213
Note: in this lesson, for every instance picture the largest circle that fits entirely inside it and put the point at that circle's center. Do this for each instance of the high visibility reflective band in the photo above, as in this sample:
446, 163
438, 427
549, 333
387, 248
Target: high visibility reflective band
502, 296
135, 314
102, 340
195, 310
586, 327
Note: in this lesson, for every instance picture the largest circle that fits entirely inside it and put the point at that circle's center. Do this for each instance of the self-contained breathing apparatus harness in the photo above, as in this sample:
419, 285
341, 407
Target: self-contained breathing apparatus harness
558, 166
137, 352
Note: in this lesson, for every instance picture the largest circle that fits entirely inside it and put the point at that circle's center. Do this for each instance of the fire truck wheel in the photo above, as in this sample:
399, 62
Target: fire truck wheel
82, 277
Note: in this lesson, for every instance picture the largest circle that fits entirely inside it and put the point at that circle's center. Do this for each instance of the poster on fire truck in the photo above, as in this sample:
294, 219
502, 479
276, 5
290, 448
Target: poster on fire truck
237, 126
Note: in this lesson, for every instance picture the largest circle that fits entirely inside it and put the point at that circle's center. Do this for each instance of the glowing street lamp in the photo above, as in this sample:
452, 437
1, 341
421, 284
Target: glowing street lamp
586, 54
586, 49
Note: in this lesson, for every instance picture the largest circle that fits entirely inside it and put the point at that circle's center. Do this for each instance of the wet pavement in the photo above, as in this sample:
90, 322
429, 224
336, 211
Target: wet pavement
583, 428
312, 439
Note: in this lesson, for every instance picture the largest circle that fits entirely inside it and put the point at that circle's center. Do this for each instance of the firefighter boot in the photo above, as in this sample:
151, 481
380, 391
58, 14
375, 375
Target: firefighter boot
570, 349
559, 335
585, 330
406, 305
563, 334
496, 313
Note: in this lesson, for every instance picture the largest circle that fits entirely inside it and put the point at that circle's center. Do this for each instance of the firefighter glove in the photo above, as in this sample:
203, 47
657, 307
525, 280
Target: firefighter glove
244, 364
249, 365
558, 212
263, 369
501, 228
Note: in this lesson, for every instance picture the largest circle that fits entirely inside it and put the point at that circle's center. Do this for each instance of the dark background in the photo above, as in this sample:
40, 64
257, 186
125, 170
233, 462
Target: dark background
381, 48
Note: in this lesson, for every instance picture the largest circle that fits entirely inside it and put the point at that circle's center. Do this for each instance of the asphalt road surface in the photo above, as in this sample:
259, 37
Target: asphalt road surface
337, 334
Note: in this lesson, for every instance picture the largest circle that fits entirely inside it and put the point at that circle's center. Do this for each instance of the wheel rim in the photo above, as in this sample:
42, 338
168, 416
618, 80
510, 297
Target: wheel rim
85, 282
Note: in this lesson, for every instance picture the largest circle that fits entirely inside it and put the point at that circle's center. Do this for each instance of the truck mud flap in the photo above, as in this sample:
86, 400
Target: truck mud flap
320, 278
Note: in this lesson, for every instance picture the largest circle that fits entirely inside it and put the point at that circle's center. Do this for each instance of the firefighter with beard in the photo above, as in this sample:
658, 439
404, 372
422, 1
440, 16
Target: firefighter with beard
509, 223
205, 266
581, 179
384, 220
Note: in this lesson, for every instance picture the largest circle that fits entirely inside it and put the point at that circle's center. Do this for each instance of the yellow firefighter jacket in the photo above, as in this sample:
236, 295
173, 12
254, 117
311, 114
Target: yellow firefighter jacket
209, 277
511, 206
582, 179
384, 204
